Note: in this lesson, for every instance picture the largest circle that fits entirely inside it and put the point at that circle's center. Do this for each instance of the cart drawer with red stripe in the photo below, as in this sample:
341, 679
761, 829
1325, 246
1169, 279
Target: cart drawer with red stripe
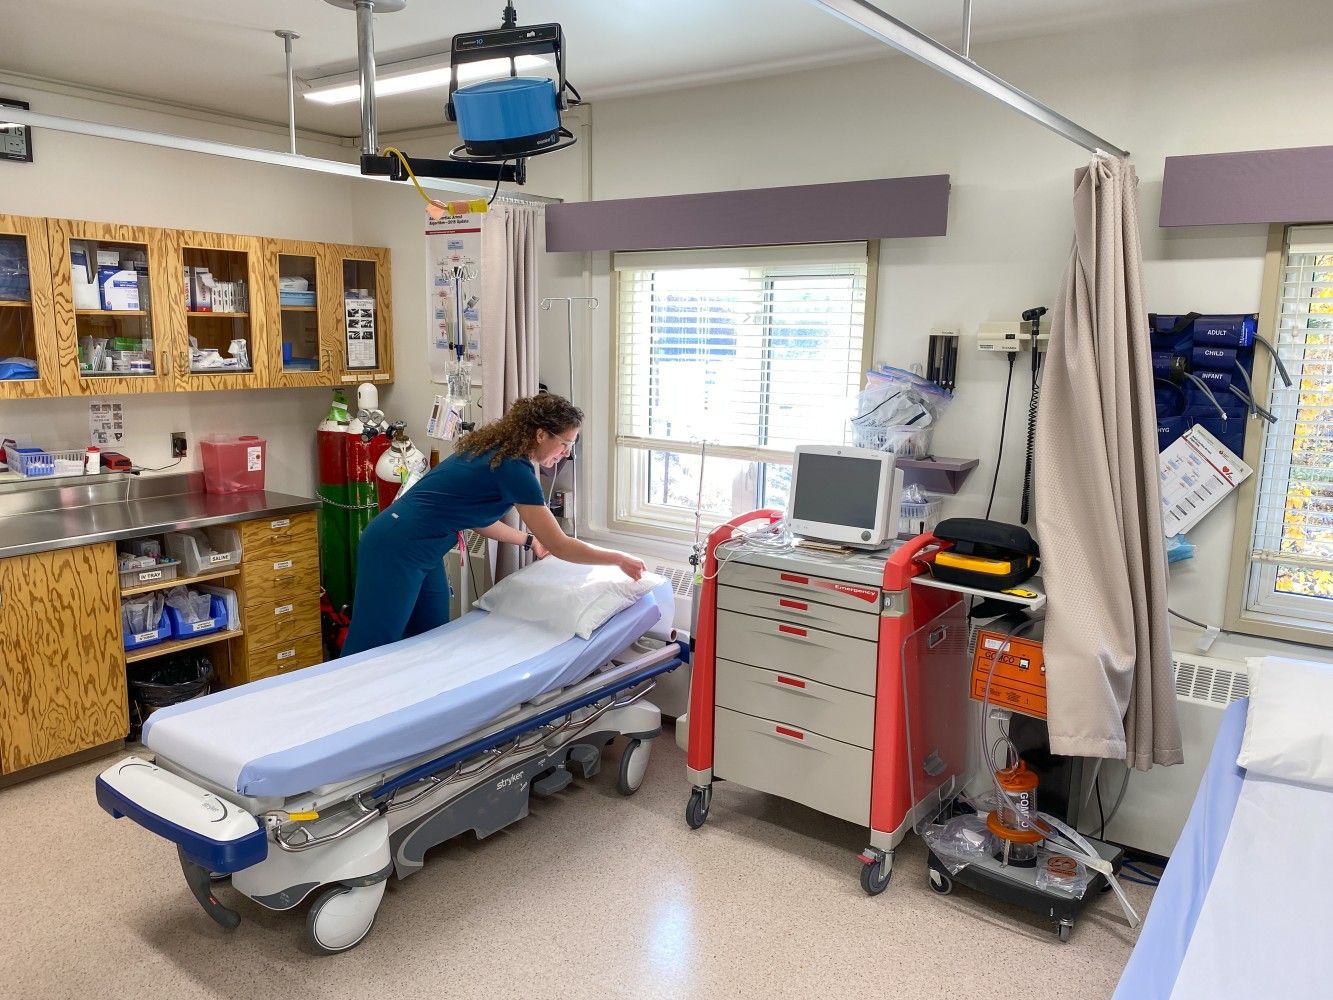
783, 759
800, 611
853, 596
797, 649
841, 715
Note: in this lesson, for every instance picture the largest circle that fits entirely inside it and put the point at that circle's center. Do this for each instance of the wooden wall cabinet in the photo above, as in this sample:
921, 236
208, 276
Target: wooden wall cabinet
302, 347
235, 263
362, 358
87, 346
27, 314
117, 351
62, 675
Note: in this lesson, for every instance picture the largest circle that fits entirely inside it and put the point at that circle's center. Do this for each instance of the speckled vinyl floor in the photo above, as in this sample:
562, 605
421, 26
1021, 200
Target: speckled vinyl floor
592, 896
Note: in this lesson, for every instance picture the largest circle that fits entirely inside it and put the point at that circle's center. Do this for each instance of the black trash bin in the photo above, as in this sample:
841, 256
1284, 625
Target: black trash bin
164, 682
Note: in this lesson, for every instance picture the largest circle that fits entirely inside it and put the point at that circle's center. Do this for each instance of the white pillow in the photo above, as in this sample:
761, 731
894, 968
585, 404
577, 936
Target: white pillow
566, 596
1289, 727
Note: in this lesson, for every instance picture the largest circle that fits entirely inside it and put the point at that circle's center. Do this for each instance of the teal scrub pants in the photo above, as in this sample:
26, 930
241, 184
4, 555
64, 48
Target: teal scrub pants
401, 589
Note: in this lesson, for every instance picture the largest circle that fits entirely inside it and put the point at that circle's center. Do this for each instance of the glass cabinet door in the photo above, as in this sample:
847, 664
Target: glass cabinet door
297, 285
218, 342
364, 320
28, 364
108, 288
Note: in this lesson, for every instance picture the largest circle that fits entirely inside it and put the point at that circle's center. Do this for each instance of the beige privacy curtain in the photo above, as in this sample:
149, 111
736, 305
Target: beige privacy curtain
512, 237
1107, 643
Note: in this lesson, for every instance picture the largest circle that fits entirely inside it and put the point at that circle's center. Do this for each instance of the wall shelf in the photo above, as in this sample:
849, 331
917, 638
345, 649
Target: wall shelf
936, 474
14, 304
177, 645
180, 581
193, 314
110, 312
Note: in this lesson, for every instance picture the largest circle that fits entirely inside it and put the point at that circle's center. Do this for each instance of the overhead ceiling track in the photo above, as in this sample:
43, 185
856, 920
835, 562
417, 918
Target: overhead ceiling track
923, 48
34, 119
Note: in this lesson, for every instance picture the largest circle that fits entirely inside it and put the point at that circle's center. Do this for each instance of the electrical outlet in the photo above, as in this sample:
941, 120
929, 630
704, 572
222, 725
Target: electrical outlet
178, 444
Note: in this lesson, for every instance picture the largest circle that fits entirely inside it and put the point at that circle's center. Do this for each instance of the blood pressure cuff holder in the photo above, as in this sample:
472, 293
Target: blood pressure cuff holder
988, 555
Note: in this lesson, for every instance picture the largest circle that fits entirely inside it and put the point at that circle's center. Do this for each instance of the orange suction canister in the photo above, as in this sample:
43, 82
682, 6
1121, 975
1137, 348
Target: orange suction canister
1014, 821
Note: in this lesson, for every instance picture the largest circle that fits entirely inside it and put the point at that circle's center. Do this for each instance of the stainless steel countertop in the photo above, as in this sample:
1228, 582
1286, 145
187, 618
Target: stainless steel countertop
68, 515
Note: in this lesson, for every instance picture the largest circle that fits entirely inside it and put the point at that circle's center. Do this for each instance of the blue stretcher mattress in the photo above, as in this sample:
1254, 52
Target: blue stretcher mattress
369, 712
1156, 960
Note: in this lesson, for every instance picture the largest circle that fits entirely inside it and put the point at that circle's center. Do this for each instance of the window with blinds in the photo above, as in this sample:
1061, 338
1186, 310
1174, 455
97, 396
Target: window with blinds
1291, 557
726, 360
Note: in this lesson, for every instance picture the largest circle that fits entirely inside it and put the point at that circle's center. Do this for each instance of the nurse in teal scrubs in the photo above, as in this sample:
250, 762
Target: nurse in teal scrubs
400, 584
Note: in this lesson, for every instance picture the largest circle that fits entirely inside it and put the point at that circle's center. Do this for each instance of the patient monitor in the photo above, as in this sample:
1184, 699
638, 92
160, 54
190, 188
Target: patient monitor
850, 496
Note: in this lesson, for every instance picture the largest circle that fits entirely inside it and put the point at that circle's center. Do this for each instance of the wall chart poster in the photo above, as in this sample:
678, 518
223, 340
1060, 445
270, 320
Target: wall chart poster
453, 319
360, 318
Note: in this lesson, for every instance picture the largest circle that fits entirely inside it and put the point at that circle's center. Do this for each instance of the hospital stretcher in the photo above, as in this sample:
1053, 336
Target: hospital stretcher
331, 779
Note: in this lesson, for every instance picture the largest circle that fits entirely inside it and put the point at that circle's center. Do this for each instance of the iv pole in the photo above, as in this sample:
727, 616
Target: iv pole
590, 303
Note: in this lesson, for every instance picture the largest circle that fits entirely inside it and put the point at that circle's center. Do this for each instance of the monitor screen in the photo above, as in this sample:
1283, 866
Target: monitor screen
837, 489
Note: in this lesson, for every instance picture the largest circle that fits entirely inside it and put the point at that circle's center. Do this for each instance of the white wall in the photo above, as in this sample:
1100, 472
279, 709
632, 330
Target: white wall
1207, 83
81, 177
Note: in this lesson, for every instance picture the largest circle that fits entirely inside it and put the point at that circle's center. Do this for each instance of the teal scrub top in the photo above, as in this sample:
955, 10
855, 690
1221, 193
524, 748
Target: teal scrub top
461, 493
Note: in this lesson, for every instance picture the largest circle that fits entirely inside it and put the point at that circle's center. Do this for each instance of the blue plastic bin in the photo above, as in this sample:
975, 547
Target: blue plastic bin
163, 631
181, 629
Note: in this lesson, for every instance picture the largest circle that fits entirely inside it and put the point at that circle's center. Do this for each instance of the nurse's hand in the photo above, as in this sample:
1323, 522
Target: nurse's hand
631, 566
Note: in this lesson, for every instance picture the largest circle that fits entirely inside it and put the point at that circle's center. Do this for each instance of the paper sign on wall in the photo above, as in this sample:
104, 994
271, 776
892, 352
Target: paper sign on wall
360, 315
1195, 472
106, 423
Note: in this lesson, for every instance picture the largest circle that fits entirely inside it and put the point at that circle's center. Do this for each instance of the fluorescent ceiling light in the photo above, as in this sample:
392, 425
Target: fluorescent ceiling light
414, 74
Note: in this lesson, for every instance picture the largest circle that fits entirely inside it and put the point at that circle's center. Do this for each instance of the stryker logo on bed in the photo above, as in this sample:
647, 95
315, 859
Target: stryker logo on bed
505, 782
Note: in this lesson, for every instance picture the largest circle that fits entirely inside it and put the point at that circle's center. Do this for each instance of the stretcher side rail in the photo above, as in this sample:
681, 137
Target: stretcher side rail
595, 688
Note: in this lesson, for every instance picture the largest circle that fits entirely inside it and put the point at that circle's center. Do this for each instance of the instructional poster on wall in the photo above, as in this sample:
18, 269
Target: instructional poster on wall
360, 332
453, 317
106, 423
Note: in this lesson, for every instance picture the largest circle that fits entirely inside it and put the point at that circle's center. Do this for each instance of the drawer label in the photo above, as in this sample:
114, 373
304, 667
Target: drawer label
791, 682
146, 636
281, 522
793, 733
794, 605
220, 557
284, 609
285, 564
149, 575
287, 654
793, 630
203, 626
868, 594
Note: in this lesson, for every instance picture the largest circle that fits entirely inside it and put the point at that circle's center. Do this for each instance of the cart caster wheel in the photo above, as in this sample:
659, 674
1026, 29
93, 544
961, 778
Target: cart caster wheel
342, 916
216, 877
875, 875
941, 883
697, 810
1063, 931
633, 766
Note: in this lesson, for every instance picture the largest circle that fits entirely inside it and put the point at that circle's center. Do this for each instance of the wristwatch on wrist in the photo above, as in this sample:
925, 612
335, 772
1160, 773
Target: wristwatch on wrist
527, 543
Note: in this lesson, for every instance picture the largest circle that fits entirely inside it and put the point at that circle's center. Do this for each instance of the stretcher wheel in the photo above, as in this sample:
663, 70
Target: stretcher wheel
1063, 931
941, 883
697, 810
875, 875
633, 766
342, 916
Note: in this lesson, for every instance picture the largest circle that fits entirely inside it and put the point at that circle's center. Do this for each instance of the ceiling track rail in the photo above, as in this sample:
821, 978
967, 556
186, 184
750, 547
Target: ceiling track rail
34, 119
907, 40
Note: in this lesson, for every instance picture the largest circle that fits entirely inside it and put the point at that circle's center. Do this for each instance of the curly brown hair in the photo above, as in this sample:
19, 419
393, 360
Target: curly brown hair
515, 434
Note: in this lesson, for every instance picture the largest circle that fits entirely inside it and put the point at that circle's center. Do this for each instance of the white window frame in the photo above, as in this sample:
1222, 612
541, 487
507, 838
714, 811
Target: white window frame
654, 520
1254, 607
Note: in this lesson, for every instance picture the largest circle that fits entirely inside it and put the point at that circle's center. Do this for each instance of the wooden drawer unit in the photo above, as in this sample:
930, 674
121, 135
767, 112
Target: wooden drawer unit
281, 657
279, 596
260, 585
278, 622
285, 537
